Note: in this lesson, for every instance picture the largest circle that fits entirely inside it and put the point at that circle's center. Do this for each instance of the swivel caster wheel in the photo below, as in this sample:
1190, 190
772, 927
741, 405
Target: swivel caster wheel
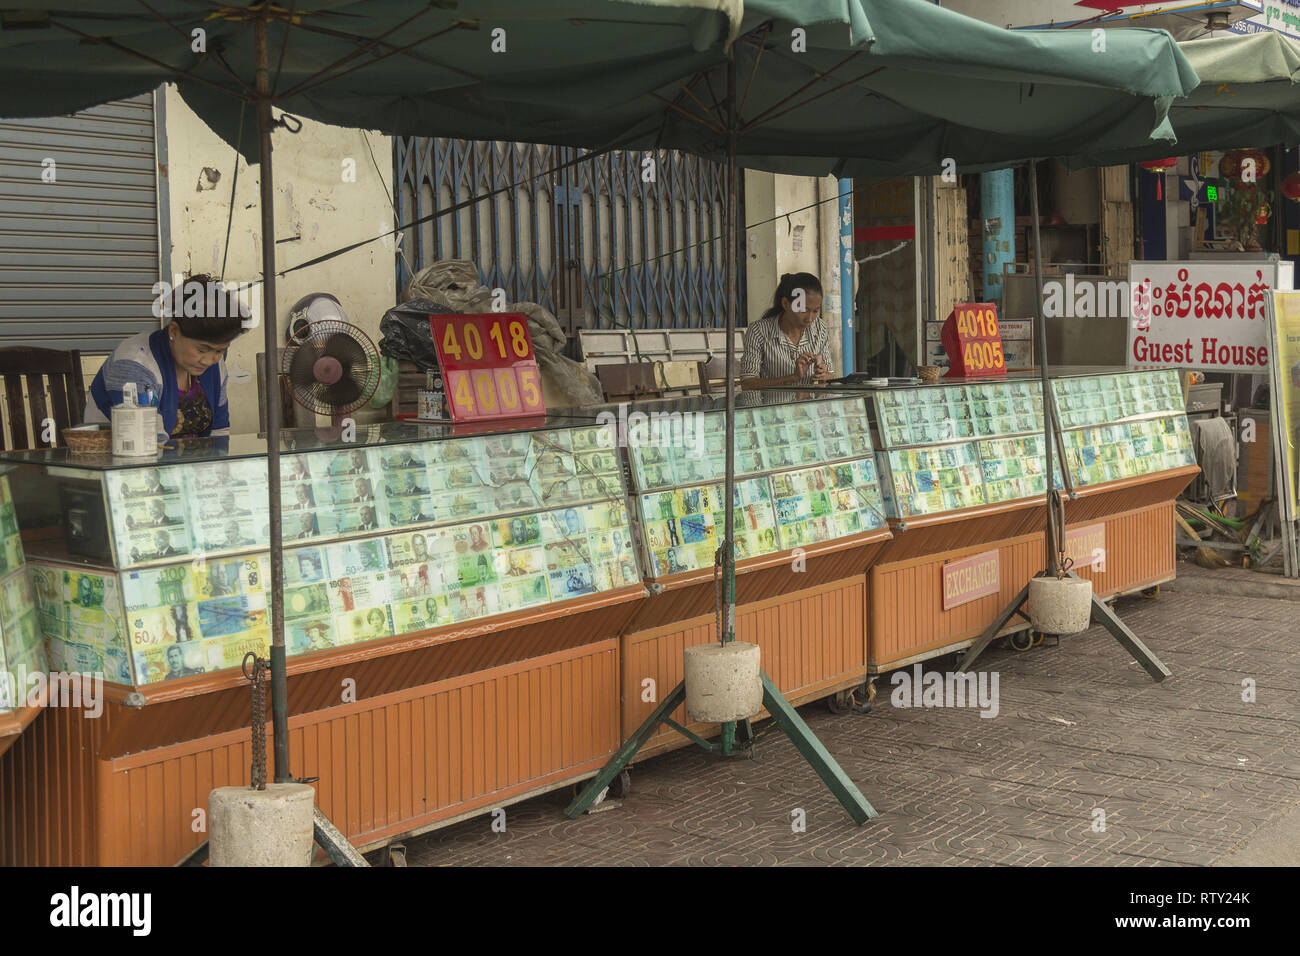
1151, 592
840, 702
620, 786
1023, 640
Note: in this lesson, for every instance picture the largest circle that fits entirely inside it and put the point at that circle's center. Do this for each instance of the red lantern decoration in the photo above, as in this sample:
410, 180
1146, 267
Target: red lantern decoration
1291, 187
1231, 166
1160, 166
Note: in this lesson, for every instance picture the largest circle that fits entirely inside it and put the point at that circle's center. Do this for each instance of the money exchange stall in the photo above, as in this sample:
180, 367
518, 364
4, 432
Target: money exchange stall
809, 519
964, 483
452, 608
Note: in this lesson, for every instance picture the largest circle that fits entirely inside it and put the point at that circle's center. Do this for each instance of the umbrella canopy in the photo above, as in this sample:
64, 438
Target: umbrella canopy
850, 87
1248, 96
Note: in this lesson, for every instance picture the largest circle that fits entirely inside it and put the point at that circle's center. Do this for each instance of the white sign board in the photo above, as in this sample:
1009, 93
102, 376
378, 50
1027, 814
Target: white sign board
1203, 315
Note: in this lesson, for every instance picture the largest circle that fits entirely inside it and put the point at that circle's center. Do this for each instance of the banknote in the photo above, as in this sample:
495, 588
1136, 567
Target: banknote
304, 565
421, 614
307, 600
412, 581
231, 533
309, 634
143, 483
225, 577
354, 591
157, 663
352, 463
355, 557
571, 582
47, 582
520, 530
516, 593
365, 625
224, 653
151, 544
163, 625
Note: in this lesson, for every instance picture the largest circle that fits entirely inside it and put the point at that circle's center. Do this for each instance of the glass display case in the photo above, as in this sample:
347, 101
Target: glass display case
162, 570
1121, 425
22, 646
805, 473
947, 447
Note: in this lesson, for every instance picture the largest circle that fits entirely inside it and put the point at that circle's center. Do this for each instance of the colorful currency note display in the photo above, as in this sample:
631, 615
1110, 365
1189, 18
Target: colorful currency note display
211, 610
149, 515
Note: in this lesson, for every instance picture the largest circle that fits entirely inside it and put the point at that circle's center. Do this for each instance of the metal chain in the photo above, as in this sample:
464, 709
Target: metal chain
717, 592
257, 718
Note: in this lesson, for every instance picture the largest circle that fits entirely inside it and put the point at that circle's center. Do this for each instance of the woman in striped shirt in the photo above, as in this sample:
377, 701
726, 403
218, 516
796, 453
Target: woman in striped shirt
789, 345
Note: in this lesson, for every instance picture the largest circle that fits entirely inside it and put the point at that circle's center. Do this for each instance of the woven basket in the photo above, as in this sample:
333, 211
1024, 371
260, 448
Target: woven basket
88, 440
928, 373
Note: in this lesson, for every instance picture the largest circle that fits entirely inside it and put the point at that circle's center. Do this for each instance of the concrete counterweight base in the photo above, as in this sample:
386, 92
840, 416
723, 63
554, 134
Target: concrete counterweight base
271, 827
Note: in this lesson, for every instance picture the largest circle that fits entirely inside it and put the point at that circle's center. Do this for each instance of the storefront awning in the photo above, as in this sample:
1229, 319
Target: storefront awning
1247, 96
859, 87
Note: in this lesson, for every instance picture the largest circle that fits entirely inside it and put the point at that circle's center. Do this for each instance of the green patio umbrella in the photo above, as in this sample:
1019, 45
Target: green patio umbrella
850, 87
1248, 95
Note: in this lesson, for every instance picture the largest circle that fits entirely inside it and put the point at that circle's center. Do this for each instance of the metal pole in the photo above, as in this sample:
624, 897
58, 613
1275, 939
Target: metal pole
1048, 438
728, 495
729, 255
279, 680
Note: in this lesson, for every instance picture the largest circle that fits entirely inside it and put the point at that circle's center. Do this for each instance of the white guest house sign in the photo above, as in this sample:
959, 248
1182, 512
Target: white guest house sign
1204, 315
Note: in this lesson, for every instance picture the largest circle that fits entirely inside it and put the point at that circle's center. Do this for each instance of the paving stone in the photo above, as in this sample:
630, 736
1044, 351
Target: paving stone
1185, 771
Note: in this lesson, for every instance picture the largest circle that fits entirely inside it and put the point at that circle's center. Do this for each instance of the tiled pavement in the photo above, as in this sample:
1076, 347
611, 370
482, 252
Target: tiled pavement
1185, 771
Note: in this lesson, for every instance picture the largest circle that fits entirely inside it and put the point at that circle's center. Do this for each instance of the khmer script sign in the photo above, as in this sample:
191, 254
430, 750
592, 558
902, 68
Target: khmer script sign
1203, 315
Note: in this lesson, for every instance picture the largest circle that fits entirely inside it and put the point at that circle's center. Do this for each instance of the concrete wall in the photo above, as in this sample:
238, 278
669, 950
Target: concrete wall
317, 209
792, 226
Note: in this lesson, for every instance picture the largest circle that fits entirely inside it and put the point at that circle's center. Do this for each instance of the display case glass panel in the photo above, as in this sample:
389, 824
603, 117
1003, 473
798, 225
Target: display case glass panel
804, 474
950, 447
1122, 425
381, 540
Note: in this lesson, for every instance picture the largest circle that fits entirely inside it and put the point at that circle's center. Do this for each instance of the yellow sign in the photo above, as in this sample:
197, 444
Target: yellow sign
1286, 393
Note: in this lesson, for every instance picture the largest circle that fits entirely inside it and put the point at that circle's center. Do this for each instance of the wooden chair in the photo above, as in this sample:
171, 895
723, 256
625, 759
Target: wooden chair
628, 381
713, 375
51, 374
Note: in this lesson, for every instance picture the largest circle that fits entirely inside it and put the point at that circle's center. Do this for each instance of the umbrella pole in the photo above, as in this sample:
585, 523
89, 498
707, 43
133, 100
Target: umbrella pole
327, 836
279, 679
727, 625
1053, 541
1101, 612
780, 709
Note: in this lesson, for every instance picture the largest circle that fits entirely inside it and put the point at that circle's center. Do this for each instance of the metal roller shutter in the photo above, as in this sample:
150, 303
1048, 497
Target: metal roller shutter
79, 256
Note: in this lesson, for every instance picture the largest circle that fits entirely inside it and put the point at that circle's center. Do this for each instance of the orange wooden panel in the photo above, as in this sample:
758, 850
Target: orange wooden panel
812, 642
388, 764
1140, 550
906, 599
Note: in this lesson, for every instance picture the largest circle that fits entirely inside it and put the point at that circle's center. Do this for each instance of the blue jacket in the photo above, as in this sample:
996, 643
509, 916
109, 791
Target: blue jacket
146, 359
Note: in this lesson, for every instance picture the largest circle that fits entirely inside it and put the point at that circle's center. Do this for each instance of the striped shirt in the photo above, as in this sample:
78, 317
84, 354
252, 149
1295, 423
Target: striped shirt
770, 354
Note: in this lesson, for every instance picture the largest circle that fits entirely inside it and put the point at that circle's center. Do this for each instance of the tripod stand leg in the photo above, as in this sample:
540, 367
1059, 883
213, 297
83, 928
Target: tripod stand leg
991, 632
1103, 615
818, 757
333, 842
626, 752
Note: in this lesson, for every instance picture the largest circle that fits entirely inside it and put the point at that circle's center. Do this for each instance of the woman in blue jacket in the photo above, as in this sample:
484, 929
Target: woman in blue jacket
183, 363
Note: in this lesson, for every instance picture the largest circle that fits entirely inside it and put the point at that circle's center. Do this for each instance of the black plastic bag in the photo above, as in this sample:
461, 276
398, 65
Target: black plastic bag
405, 333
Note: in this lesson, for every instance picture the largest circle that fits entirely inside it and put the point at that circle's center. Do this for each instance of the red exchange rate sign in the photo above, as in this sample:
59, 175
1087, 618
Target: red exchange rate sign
973, 341
488, 366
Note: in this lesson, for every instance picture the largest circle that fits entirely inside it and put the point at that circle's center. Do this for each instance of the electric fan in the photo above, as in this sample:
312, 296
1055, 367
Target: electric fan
331, 366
